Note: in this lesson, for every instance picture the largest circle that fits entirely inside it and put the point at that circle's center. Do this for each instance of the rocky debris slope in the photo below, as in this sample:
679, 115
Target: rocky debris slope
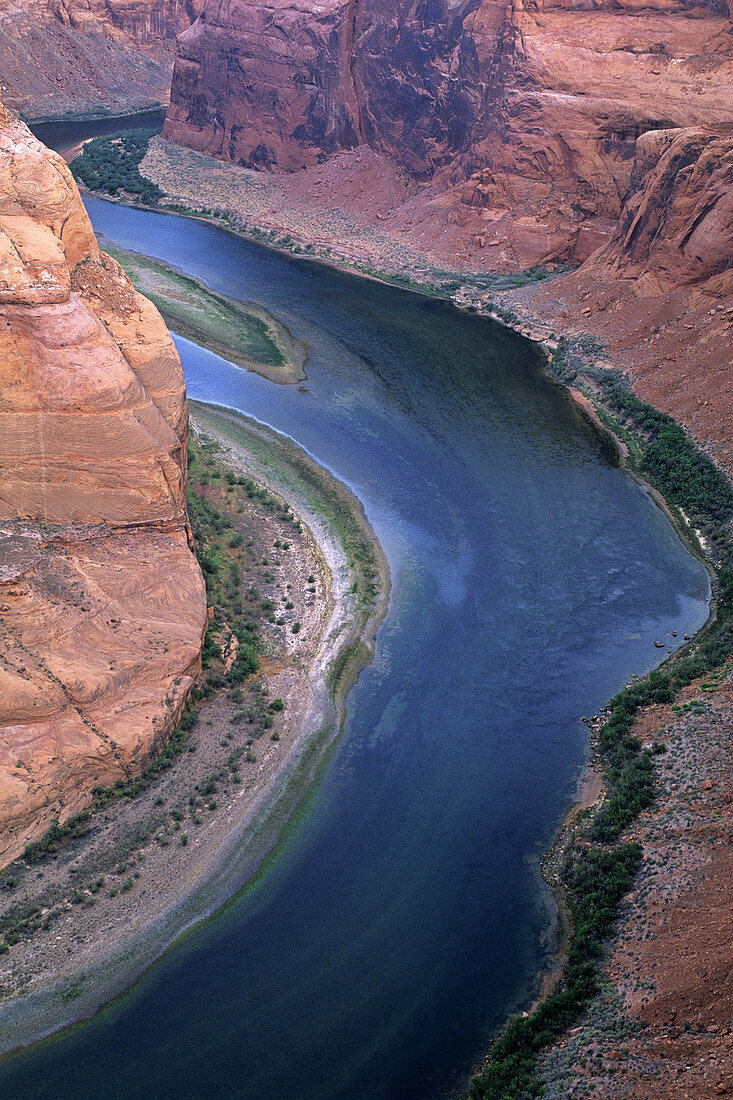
665, 1010
102, 603
87, 56
658, 298
520, 122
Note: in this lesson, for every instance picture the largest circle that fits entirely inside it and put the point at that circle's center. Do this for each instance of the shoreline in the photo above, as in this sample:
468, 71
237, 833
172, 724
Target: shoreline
187, 306
72, 118
215, 416
591, 777
228, 854
545, 345
591, 787
586, 408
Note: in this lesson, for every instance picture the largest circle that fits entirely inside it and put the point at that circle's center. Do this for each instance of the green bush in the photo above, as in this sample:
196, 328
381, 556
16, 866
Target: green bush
111, 164
683, 473
55, 836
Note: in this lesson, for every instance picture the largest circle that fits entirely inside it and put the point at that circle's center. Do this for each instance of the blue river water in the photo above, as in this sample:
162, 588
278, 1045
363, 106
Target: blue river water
405, 916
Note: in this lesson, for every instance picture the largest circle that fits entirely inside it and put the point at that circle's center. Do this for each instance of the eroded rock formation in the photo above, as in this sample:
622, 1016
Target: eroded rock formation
102, 603
527, 115
659, 294
108, 56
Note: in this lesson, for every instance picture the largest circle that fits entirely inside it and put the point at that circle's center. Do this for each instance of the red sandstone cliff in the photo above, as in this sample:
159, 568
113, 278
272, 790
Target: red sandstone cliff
659, 294
542, 131
116, 56
526, 115
102, 603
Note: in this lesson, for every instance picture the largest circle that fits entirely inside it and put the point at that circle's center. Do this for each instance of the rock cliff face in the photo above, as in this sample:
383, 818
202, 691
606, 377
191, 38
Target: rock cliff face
528, 113
59, 56
678, 217
659, 294
102, 603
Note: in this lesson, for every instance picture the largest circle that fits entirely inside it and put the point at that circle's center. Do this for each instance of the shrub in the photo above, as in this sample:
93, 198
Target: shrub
111, 164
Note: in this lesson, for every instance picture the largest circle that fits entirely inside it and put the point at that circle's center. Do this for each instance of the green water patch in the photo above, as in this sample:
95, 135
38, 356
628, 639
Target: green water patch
242, 332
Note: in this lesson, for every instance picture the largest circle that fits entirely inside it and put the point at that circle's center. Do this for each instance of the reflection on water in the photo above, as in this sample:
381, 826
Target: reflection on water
405, 917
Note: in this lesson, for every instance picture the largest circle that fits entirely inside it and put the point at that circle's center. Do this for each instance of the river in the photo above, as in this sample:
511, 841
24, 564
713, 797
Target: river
65, 135
404, 917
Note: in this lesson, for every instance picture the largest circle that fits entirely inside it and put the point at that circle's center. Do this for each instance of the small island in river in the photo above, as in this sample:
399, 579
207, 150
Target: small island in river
242, 332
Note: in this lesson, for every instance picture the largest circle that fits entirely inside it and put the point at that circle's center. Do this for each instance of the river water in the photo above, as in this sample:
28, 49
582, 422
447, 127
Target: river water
405, 916
62, 136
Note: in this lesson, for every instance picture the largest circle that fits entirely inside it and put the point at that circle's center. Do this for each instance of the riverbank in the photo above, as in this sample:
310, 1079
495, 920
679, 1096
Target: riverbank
84, 918
664, 1005
611, 832
670, 340
137, 116
298, 214
599, 355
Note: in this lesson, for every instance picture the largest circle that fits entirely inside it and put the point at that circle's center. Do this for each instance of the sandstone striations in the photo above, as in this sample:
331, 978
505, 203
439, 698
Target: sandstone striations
521, 122
102, 603
545, 132
88, 56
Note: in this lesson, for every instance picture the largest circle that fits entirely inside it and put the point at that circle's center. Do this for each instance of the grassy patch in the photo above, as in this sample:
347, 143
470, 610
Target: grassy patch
326, 496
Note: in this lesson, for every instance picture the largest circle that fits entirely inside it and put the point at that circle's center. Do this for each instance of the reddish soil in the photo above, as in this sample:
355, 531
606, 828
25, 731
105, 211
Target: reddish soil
670, 964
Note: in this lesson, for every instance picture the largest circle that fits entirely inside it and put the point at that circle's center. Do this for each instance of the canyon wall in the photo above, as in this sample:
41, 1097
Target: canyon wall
88, 56
102, 603
659, 294
527, 114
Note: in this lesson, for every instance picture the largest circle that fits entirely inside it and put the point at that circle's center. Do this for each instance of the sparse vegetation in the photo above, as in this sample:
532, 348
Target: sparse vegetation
600, 866
223, 554
244, 333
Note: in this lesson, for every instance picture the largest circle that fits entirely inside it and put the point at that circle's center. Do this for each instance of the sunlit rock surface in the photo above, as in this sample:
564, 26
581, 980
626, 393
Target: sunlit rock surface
102, 603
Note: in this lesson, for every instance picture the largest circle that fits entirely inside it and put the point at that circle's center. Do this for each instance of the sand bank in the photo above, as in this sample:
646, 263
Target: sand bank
152, 867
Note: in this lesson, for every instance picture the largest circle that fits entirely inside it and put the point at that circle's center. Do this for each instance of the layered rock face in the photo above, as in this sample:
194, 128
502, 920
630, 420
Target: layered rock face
659, 294
678, 217
267, 85
529, 113
102, 603
60, 56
